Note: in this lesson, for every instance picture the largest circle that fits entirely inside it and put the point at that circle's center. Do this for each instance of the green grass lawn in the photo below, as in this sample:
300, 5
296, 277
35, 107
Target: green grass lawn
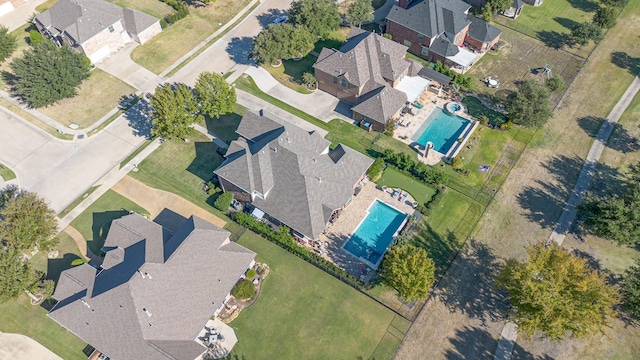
555, 16
178, 39
76, 202
224, 127
291, 71
304, 313
95, 221
68, 251
476, 109
395, 179
152, 7
6, 173
45, 5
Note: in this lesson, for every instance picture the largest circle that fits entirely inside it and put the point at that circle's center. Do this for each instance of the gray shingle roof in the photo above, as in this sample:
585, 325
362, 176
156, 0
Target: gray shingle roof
380, 105
432, 17
442, 46
365, 57
107, 309
517, 4
428, 73
83, 19
309, 181
482, 31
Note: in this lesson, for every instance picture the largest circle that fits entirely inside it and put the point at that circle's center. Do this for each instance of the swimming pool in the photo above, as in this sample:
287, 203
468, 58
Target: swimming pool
376, 231
442, 129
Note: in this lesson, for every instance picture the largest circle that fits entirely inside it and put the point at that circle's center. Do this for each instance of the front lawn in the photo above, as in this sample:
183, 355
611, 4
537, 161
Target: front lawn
95, 221
304, 313
6, 174
291, 71
68, 251
395, 179
97, 95
178, 39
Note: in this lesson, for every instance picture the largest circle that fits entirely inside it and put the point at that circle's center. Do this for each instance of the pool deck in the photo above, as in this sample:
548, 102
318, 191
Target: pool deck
404, 133
340, 231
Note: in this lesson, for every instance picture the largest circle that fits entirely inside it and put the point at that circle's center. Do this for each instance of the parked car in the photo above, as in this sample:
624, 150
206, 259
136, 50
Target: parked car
281, 19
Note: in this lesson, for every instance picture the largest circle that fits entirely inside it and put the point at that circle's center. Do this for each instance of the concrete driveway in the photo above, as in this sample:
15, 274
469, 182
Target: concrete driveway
124, 68
20, 15
20, 347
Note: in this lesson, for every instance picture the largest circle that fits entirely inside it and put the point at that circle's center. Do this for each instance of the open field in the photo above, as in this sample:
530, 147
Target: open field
524, 212
97, 95
95, 221
178, 39
304, 313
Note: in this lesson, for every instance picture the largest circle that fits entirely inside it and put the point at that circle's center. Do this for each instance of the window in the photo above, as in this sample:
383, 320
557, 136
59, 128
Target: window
420, 36
407, 43
335, 80
111, 29
343, 83
424, 51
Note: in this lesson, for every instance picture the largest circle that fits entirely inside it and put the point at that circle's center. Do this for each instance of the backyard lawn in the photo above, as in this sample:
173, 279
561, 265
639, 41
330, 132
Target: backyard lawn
304, 313
95, 221
477, 109
97, 95
152, 7
178, 39
395, 179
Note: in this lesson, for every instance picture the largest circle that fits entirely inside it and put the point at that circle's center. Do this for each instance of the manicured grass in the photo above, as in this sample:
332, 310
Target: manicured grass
77, 201
53, 267
152, 7
95, 221
45, 5
291, 71
476, 109
19, 316
304, 313
555, 16
395, 179
333, 41
6, 173
97, 95
225, 126
178, 39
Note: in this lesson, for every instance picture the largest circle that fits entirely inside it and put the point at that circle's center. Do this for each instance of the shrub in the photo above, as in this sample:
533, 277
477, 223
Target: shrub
223, 201
506, 126
243, 290
78, 262
456, 162
250, 274
387, 36
35, 37
375, 170
483, 119
417, 169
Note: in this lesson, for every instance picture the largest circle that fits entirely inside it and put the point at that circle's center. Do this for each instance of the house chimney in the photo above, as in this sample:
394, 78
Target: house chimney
404, 3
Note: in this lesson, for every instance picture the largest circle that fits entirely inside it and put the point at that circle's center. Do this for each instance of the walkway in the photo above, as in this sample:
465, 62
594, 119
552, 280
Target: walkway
156, 201
509, 333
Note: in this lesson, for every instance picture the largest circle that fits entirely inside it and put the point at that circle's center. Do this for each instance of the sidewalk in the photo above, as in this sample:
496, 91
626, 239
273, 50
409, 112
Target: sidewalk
20, 15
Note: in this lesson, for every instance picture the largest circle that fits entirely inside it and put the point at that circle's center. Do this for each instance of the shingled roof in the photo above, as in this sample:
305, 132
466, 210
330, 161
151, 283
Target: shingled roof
291, 172
157, 293
83, 19
381, 104
432, 17
482, 31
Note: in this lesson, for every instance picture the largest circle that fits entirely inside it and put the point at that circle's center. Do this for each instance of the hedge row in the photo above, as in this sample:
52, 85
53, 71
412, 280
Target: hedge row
181, 11
417, 169
285, 240
429, 206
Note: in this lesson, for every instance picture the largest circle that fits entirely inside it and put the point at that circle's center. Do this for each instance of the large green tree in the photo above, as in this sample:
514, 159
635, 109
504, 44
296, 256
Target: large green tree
173, 111
16, 274
529, 106
8, 43
26, 221
359, 12
215, 96
605, 16
282, 41
409, 270
319, 16
585, 32
631, 289
46, 74
492, 7
557, 294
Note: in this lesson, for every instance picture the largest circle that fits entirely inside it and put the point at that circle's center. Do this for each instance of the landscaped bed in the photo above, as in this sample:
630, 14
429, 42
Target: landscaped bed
477, 110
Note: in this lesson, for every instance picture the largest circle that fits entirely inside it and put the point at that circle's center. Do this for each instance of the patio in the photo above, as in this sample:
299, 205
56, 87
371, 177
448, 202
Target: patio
340, 231
219, 338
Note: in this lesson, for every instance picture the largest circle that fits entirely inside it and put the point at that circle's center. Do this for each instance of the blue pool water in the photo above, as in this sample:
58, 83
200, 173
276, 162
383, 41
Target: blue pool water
442, 129
375, 233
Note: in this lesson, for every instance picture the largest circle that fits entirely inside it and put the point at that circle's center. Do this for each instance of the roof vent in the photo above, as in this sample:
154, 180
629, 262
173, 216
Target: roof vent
85, 303
146, 312
289, 140
261, 112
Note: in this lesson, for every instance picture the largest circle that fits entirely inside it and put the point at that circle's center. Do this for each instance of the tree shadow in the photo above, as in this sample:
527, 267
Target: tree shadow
566, 23
440, 248
58, 265
584, 5
224, 127
139, 118
239, 50
268, 16
101, 223
623, 60
206, 161
472, 291
620, 140
590, 124
554, 39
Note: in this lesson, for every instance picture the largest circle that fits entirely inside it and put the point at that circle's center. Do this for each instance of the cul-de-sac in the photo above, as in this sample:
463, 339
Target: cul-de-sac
319, 179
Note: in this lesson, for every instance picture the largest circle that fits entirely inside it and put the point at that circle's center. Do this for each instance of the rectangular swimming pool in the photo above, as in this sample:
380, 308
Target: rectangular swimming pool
376, 231
442, 129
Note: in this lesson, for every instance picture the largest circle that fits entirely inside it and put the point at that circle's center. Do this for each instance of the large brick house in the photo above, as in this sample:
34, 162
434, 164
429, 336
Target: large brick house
365, 72
441, 30
95, 27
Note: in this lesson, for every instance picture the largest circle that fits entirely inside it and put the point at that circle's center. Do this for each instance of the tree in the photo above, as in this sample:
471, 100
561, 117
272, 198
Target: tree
26, 221
631, 289
583, 33
215, 96
319, 16
282, 41
173, 111
46, 74
359, 12
16, 274
605, 17
309, 80
223, 201
35, 37
555, 293
529, 106
8, 43
492, 7
555, 83
409, 270
614, 3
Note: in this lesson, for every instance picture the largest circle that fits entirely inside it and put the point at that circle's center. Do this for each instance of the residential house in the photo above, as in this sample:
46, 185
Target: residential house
154, 291
441, 30
514, 10
366, 72
95, 27
289, 175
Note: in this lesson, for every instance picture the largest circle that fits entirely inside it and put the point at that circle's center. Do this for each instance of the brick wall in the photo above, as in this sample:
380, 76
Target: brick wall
400, 33
479, 45
238, 193
325, 83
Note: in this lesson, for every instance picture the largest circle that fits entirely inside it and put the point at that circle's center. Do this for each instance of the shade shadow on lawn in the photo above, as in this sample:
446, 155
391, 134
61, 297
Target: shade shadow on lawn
206, 160
624, 61
58, 265
620, 140
100, 228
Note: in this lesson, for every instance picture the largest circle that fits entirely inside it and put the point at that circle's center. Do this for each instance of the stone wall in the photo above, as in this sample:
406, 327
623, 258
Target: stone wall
148, 33
114, 40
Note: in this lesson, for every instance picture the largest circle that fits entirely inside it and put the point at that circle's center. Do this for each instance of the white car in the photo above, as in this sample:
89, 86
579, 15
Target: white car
280, 19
